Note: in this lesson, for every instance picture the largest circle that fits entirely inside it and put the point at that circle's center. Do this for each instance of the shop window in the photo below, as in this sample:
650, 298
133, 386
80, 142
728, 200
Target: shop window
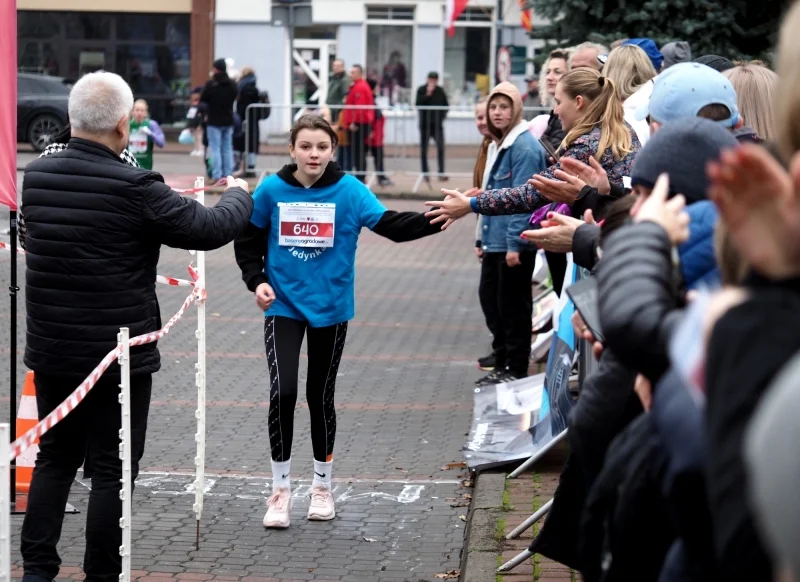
466, 64
389, 60
88, 25
38, 25
172, 28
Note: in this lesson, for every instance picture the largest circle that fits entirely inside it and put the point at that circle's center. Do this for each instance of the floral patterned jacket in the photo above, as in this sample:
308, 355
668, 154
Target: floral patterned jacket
526, 198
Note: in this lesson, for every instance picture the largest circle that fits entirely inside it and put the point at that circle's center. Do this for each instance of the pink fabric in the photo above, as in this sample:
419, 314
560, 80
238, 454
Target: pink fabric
538, 125
8, 104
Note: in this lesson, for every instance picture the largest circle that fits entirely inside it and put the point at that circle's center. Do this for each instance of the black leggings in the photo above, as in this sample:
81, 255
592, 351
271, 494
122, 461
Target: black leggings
283, 338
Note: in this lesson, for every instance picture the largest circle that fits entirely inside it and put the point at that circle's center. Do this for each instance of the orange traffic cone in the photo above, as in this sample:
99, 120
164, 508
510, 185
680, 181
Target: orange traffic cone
27, 417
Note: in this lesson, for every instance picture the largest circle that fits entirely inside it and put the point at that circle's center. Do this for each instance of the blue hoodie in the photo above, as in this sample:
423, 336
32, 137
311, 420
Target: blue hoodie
698, 260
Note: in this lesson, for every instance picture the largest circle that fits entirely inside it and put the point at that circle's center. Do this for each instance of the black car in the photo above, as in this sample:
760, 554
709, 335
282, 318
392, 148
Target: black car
41, 108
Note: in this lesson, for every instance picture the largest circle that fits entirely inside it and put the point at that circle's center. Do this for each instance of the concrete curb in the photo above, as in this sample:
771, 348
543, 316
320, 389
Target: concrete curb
481, 547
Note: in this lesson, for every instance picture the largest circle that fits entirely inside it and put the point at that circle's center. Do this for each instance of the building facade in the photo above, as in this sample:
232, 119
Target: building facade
163, 48
153, 44
398, 42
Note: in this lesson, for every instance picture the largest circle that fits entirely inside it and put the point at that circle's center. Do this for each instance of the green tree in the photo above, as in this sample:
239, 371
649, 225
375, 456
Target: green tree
737, 29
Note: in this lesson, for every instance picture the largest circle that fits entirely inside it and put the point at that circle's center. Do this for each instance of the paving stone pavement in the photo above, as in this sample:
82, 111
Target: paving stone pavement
404, 406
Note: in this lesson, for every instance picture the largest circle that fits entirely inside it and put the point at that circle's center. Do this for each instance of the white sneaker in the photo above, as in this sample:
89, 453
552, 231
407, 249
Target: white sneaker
321, 508
278, 507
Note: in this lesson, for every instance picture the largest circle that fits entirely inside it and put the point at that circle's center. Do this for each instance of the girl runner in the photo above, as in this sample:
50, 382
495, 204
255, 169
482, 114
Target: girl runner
299, 259
144, 134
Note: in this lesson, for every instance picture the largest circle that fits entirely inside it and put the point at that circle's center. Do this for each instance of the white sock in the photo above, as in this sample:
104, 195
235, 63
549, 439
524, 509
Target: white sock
280, 475
322, 474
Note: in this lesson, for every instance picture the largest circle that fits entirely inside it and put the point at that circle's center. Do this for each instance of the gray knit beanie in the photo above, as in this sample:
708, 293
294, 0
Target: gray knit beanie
682, 148
676, 52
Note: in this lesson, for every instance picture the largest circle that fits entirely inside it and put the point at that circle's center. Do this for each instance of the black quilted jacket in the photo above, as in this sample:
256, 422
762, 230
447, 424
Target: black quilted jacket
95, 226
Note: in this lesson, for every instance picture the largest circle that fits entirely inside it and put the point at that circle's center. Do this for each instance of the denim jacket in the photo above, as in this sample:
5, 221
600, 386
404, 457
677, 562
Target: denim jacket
518, 158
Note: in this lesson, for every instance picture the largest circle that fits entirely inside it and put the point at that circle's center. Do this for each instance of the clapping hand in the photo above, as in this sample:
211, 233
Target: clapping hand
669, 214
593, 174
758, 201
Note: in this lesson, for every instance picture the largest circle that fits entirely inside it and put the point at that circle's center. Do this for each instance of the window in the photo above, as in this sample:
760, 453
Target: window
475, 14
149, 50
466, 64
390, 13
390, 36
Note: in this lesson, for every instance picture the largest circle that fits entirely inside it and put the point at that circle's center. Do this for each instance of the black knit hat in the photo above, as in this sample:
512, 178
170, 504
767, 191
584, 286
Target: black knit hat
716, 62
220, 65
681, 149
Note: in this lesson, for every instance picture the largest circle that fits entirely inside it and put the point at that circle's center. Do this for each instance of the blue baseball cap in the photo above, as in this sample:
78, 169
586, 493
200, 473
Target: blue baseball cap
649, 47
684, 89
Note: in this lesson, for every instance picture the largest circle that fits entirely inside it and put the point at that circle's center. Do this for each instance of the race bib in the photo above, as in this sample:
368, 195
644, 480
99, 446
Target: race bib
306, 224
192, 113
138, 143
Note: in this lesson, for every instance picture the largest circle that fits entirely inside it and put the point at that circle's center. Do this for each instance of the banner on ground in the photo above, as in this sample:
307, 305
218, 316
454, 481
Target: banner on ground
513, 421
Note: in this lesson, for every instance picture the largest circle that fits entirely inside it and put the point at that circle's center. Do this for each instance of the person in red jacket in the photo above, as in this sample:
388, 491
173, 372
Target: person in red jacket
375, 140
359, 114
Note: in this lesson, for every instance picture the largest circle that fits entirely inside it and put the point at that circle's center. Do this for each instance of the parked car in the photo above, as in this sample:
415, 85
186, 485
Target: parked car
41, 108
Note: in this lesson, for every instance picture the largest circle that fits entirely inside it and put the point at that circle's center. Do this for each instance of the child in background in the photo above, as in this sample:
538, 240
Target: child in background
375, 140
144, 133
195, 121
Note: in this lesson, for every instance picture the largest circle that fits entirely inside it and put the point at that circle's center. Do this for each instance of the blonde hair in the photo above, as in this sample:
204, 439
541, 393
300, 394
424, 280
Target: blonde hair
629, 68
787, 111
483, 152
141, 102
756, 88
604, 109
246, 71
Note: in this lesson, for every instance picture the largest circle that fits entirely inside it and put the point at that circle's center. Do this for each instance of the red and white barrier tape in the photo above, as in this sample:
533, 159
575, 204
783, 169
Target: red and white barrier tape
7, 247
74, 399
221, 182
159, 278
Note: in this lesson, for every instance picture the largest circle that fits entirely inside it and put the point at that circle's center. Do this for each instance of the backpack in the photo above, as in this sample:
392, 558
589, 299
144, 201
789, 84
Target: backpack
263, 112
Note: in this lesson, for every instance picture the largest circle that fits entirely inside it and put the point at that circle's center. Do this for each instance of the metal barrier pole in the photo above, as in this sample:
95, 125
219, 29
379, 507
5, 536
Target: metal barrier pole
515, 561
125, 452
200, 381
538, 455
540, 513
5, 503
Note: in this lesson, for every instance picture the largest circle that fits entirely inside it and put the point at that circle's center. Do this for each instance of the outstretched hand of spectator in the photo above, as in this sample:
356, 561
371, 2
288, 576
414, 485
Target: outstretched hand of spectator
669, 214
758, 201
593, 174
556, 232
454, 206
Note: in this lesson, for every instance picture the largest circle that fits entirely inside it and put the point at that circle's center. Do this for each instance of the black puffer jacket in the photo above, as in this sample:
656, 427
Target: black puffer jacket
638, 297
95, 228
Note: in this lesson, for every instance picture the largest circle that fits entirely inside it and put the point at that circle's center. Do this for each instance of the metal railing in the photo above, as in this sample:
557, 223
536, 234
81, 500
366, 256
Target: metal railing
392, 151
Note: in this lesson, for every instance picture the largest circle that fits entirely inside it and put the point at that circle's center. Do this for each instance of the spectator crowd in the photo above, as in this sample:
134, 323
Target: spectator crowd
673, 181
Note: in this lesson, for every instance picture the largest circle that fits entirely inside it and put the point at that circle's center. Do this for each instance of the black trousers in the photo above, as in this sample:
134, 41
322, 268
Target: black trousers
89, 436
507, 302
358, 143
437, 134
283, 338
377, 156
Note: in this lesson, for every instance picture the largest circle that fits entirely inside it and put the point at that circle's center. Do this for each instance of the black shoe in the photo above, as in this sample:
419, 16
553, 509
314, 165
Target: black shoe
487, 363
497, 377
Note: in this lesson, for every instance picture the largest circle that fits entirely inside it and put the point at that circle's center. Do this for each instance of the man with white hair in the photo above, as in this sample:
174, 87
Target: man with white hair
585, 55
95, 225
